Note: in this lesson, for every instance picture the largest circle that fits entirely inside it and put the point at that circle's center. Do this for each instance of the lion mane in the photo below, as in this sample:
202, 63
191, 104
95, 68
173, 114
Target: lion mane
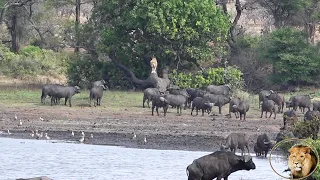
302, 161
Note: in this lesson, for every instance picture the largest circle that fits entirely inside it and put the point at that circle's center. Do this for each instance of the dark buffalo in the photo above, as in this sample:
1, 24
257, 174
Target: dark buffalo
219, 164
284, 134
242, 109
263, 95
236, 141
149, 94
301, 101
257, 150
35, 178
203, 104
233, 101
96, 93
309, 115
193, 93
278, 99
219, 90
176, 101
264, 143
316, 105
289, 119
268, 106
64, 92
157, 102
99, 83
47, 90
218, 100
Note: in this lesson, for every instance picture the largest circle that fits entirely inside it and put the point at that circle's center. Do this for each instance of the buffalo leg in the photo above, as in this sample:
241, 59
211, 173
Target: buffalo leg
90, 102
202, 112
219, 109
266, 114
270, 114
192, 109
197, 111
165, 109
65, 100
275, 114
52, 100
70, 102
152, 110
261, 114
157, 109
143, 100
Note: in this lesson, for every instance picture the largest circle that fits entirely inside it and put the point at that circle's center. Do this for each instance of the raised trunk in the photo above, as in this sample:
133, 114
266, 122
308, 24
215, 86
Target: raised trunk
77, 23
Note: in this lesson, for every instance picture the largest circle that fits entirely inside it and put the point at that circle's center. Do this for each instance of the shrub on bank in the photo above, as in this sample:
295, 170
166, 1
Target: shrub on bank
31, 62
211, 76
84, 69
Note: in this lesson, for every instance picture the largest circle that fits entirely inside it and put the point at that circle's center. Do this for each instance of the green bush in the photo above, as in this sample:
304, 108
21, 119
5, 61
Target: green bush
32, 61
84, 69
294, 60
212, 76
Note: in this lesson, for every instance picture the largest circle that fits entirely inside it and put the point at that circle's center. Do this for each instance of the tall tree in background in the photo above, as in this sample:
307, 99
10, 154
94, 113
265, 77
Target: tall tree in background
77, 24
282, 10
176, 31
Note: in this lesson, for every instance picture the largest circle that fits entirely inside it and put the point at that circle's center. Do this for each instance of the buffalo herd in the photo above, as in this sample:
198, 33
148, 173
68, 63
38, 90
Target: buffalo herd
222, 163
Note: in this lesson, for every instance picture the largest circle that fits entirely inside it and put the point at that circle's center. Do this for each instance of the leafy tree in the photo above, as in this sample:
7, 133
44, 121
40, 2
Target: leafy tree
308, 17
282, 10
293, 59
175, 31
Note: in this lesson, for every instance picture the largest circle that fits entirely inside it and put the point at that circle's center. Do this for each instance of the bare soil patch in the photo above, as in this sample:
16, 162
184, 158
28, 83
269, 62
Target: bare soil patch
115, 126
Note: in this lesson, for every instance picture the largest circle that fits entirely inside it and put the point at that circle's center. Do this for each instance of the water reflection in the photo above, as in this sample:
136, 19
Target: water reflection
30, 158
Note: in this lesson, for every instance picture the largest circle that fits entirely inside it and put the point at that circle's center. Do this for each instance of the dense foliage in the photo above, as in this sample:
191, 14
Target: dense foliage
31, 62
176, 31
212, 76
83, 70
293, 59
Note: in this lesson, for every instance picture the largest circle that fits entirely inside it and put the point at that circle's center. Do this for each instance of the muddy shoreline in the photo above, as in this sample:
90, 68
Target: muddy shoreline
115, 127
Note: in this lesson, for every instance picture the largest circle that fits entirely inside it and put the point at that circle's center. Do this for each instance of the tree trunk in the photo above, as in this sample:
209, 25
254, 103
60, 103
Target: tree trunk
77, 23
15, 46
3, 12
311, 30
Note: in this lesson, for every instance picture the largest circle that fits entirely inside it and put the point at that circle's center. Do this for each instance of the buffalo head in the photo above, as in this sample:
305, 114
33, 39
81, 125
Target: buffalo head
246, 162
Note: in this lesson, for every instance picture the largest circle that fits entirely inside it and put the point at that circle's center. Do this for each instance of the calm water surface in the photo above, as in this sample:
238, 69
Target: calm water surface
60, 161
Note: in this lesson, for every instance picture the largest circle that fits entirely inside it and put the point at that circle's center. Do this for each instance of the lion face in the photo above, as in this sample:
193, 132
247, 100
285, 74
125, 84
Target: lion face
301, 162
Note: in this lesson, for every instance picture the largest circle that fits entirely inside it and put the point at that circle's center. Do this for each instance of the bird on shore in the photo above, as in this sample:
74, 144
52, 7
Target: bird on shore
72, 133
15, 117
9, 133
81, 140
91, 135
145, 139
134, 137
41, 119
20, 123
46, 136
39, 135
32, 133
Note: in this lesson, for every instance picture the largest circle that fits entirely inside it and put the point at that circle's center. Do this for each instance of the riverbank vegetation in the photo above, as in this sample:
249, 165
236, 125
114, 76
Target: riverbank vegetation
205, 35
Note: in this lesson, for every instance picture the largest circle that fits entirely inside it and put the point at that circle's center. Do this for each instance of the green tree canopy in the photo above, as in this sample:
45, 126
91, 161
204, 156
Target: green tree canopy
175, 31
293, 59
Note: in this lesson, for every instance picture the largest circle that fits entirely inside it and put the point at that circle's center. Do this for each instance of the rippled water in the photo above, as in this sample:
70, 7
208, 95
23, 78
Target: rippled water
60, 161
